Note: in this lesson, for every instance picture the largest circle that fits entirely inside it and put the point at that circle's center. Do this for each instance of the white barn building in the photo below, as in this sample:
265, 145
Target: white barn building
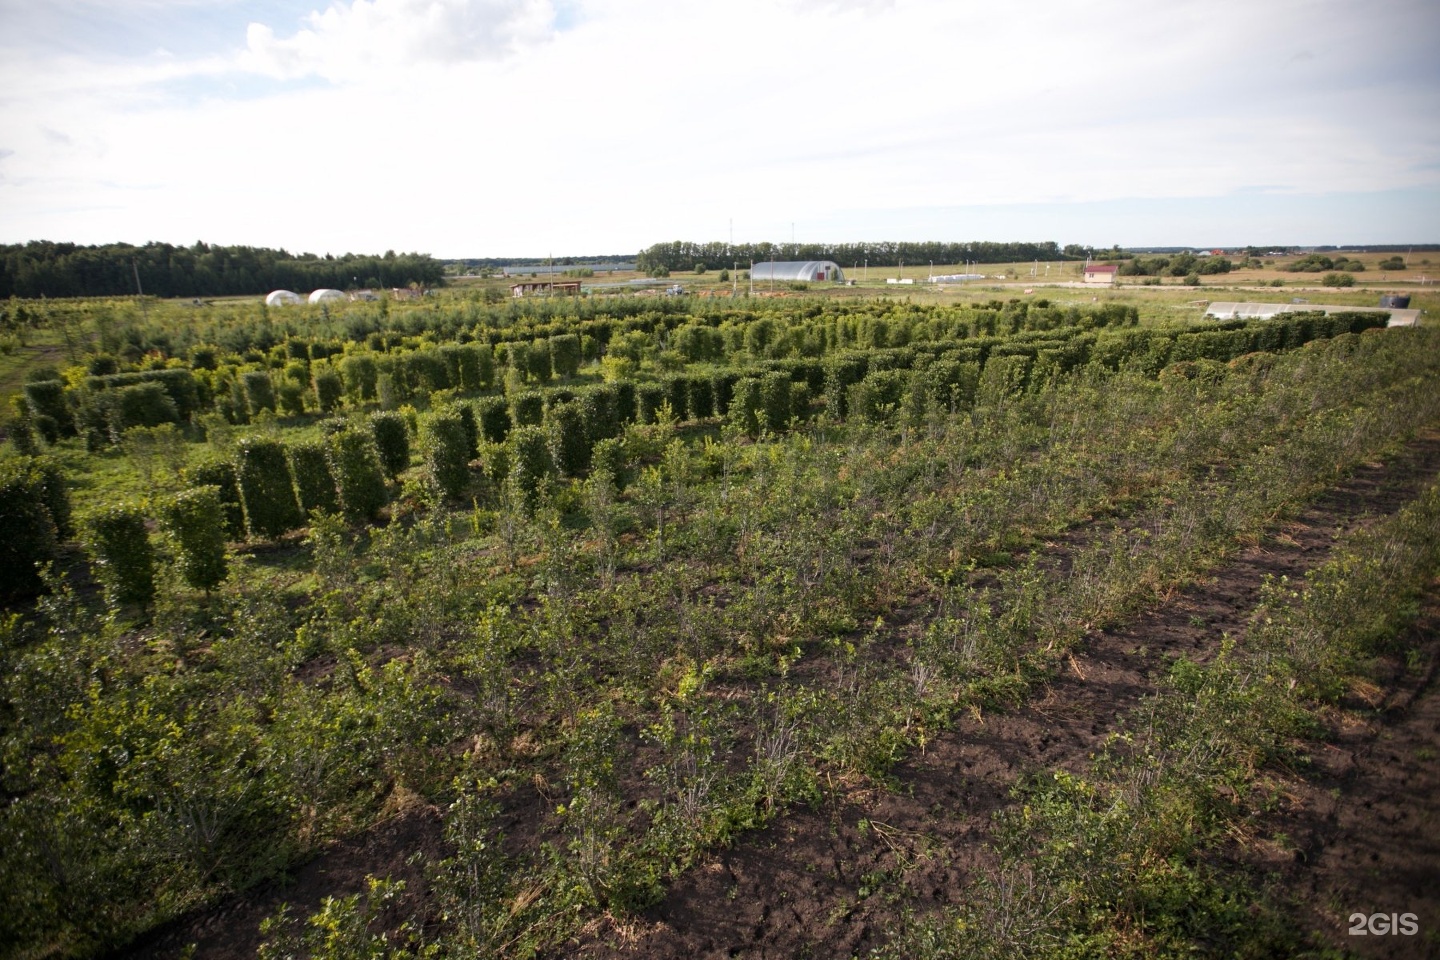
803, 270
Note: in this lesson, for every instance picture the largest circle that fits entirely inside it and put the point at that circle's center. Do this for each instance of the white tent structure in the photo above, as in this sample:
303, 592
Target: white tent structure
326, 296
804, 270
282, 298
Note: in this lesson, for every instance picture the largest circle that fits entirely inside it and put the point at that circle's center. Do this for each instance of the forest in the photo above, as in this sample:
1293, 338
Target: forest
44, 269
664, 626
684, 256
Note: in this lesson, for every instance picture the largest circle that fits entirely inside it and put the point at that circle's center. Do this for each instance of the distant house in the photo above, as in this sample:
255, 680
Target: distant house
1103, 273
569, 288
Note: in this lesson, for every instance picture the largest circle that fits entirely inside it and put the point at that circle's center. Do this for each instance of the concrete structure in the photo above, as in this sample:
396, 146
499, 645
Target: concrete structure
1102, 273
804, 271
1230, 310
569, 288
282, 298
327, 296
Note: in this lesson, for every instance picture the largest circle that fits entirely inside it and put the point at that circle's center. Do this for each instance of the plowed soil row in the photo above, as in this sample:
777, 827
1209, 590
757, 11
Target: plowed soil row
829, 882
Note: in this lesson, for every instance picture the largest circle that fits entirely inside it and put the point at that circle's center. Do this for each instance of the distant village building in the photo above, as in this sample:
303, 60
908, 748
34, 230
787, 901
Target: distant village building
801, 270
1101, 273
565, 288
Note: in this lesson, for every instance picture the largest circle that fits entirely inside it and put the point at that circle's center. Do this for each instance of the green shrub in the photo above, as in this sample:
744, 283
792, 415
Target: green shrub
608, 455
46, 398
568, 438
314, 484
649, 397
292, 398
598, 407
746, 405
359, 373
139, 405
219, 473
527, 408
494, 418
626, 403
329, 388
538, 362
124, 560
677, 394
267, 490
259, 391
443, 444
27, 529
565, 354
517, 357
195, 521
466, 413
702, 398
530, 462
722, 387
775, 400
392, 441
359, 476
1338, 280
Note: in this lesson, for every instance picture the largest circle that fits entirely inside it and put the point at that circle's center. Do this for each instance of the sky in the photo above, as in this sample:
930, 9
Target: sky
493, 128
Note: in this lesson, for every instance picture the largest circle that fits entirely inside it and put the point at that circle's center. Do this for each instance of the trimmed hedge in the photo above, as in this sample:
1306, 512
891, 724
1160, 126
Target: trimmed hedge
195, 522
123, 557
314, 484
359, 477
267, 489
392, 441
27, 529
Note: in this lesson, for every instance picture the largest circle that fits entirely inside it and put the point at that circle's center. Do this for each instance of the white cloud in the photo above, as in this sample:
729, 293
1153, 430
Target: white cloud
482, 127
348, 42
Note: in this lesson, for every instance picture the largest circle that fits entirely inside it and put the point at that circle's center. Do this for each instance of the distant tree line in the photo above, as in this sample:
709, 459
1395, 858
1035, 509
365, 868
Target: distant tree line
44, 268
682, 255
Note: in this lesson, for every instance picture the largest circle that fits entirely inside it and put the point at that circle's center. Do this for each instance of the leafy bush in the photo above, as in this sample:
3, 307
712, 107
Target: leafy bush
530, 462
219, 473
314, 484
443, 444
568, 439
124, 561
195, 522
267, 490
27, 529
359, 476
292, 398
392, 441
649, 397
527, 408
329, 388
1338, 280
259, 391
494, 418
775, 400
565, 354
359, 372
746, 405
46, 398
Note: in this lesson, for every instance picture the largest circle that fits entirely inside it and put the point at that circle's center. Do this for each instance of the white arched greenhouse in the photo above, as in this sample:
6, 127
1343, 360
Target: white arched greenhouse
803, 270
326, 296
282, 298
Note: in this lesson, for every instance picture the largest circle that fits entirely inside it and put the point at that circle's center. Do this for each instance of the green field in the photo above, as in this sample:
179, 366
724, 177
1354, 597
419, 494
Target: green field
480, 627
